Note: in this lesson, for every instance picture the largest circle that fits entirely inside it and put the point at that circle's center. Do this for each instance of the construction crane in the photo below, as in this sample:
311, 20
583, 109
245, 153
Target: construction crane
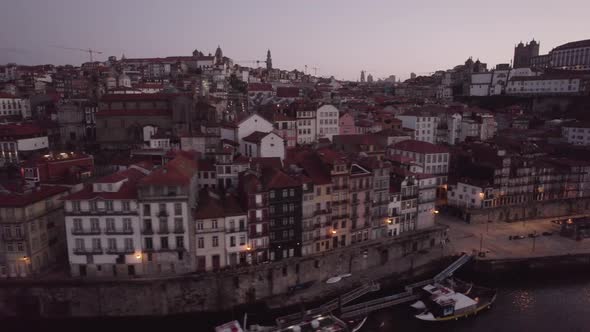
89, 51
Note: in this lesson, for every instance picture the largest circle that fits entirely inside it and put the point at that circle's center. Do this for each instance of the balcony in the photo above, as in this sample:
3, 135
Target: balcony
94, 231
340, 187
178, 230
341, 216
163, 230
14, 237
162, 213
89, 251
120, 251
318, 212
147, 231
119, 231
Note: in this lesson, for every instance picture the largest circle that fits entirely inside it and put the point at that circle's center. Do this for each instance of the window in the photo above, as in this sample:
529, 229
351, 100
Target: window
272, 194
162, 207
200, 243
179, 242
76, 206
215, 241
109, 205
214, 224
319, 191
110, 224
232, 241
93, 206
147, 210
20, 246
242, 240
164, 242
292, 192
177, 209
129, 244
126, 206
149, 244
96, 245
242, 225
112, 244
127, 224
177, 224
77, 224
94, 225
199, 225
79, 243
285, 193
232, 226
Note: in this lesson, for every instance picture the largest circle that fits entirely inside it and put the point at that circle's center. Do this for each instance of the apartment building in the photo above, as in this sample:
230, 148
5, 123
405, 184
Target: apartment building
103, 227
32, 228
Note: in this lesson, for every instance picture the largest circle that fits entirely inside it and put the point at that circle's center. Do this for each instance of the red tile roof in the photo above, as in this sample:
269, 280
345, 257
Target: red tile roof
20, 130
255, 137
288, 92
211, 205
177, 171
419, 147
252, 87
266, 162
128, 189
274, 178
8, 96
14, 199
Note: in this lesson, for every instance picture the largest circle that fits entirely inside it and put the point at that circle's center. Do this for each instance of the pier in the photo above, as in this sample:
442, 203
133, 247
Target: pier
339, 307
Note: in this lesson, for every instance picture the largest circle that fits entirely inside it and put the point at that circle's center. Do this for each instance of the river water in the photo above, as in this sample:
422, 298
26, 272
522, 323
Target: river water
551, 304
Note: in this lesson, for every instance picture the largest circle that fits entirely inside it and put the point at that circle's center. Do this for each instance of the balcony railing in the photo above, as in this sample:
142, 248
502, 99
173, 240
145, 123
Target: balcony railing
163, 230
93, 231
163, 213
324, 211
120, 251
119, 231
88, 251
147, 231
178, 230
16, 237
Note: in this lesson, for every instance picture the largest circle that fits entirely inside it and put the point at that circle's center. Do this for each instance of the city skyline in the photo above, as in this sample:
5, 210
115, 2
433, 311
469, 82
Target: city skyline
381, 38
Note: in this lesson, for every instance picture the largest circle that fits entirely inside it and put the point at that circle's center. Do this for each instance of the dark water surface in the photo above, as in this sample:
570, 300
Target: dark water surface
559, 304
542, 302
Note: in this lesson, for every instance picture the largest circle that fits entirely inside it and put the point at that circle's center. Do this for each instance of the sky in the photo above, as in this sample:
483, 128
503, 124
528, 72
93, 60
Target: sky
339, 37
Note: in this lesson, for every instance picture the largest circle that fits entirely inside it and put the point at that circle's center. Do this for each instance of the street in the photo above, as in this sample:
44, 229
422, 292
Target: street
493, 238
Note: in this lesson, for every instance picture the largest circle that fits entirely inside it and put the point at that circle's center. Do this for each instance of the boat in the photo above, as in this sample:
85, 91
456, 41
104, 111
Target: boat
328, 323
442, 303
456, 285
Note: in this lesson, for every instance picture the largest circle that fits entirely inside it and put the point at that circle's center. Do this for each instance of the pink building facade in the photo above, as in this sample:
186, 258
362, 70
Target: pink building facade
347, 126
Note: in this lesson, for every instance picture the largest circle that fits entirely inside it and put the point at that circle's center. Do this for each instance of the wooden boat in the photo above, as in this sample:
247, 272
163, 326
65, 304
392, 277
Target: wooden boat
456, 285
443, 303
318, 323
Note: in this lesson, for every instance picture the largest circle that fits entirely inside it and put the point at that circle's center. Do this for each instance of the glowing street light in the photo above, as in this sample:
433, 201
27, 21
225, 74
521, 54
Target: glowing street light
138, 255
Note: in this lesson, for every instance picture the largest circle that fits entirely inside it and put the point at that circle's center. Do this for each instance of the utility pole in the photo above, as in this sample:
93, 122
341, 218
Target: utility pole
480, 242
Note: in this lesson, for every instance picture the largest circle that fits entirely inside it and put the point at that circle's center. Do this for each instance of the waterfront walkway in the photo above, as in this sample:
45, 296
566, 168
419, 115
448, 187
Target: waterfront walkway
493, 239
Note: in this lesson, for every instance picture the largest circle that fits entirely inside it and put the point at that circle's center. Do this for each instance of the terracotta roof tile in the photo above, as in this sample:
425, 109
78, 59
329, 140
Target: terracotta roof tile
419, 147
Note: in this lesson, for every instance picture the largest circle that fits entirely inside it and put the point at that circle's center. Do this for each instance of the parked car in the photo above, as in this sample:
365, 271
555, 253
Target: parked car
547, 233
533, 235
518, 237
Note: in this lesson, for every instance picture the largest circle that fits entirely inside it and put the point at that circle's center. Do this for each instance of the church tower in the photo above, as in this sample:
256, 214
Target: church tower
218, 56
268, 60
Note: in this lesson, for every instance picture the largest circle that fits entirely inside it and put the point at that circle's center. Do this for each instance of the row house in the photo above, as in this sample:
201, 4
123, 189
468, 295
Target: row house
20, 141
407, 186
286, 127
433, 159
166, 197
31, 228
424, 125
338, 166
577, 133
254, 198
221, 232
327, 117
306, 125
318, 228
380, 197
284, 212
103, 226
359, 192
11, 105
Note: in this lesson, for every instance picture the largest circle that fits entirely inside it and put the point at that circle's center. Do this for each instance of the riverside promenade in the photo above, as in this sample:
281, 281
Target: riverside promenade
493, 239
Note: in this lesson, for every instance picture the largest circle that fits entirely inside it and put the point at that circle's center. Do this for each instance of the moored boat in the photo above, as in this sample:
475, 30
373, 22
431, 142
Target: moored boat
442, 303
317, 323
